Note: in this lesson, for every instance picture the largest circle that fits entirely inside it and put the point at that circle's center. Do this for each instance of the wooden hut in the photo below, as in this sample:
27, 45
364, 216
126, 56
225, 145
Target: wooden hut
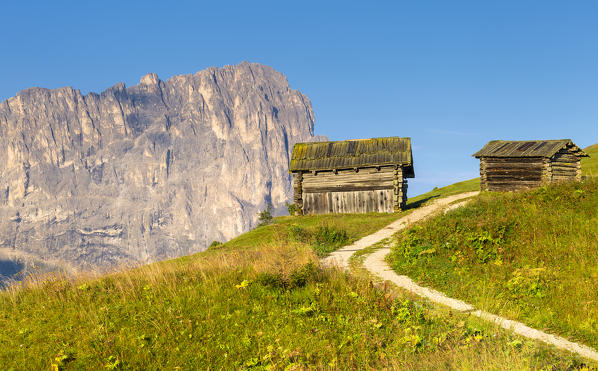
512, 165
352, 176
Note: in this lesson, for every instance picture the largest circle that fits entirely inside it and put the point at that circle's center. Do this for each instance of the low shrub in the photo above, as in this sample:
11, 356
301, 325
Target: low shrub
214, 244
292, 208
297, 278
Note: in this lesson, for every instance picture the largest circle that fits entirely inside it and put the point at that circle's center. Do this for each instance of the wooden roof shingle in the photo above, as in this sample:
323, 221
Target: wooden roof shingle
527, 148
350, 154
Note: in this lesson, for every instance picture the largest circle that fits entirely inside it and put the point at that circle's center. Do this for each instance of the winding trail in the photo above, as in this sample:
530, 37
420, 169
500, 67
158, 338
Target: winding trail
341, 257
376, 264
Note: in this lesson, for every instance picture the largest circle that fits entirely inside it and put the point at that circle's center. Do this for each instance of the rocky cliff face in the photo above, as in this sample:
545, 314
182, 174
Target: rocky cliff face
148, 172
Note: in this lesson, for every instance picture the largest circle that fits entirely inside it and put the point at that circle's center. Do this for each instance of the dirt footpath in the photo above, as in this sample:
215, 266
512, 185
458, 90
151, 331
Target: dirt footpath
341, 257
376, 264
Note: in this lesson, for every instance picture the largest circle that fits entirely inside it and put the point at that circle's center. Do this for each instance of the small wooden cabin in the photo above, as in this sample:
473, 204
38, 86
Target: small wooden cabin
352, 176
512, 165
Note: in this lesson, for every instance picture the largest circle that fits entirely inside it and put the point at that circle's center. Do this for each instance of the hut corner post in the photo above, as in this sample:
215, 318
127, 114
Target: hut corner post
298, 193
399, 189
483, 175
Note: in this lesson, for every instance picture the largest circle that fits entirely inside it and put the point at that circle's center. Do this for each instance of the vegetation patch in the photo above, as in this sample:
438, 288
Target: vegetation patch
323, 239
527, 255
322, 233
589, 165
255, 308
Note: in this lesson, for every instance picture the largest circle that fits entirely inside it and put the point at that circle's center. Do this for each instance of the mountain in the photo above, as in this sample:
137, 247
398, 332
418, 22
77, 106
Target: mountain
147, 172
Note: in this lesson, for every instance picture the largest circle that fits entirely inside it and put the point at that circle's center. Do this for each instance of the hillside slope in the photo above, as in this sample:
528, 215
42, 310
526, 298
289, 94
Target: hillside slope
147, 172
589, 165
260, 302
528, 255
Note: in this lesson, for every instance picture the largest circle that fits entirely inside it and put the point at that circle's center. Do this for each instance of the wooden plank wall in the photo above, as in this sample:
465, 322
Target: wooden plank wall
348, 191
349, 202
508, 174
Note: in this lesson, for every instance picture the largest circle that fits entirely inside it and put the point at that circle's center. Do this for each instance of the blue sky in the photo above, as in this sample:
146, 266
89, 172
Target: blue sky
452, 75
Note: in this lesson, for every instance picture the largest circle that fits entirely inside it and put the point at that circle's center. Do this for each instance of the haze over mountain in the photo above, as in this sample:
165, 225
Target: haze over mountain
148, 172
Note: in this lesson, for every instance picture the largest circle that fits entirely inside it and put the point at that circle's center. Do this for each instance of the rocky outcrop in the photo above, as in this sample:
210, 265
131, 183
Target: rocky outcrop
148, 172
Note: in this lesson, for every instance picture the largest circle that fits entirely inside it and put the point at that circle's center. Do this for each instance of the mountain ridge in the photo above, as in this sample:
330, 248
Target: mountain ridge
147, 172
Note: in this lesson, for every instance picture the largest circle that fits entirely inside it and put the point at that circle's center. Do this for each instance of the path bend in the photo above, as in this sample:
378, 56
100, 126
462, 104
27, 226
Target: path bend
376, 264
340, 257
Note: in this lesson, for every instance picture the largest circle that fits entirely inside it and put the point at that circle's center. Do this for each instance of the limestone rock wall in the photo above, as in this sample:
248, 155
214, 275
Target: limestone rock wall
148, 172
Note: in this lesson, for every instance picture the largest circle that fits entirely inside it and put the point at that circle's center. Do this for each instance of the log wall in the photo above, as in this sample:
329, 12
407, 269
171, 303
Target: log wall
565, 166
514, 173
508, 174
349, 180
362, 190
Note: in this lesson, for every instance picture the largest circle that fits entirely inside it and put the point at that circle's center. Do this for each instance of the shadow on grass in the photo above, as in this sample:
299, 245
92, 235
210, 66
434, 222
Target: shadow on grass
418, 203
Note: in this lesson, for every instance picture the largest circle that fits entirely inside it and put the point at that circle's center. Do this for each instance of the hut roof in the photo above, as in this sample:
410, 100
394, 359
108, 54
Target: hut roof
349, 154
528, 148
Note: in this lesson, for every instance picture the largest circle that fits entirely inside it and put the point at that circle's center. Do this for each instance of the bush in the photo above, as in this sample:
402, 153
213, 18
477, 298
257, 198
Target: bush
214, 244
299, 234
293, 208
296, 279
302, 275
270, 280
326, 235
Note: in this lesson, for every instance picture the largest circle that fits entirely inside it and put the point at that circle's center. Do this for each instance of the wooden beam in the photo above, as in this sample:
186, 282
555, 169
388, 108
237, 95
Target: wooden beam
298, 192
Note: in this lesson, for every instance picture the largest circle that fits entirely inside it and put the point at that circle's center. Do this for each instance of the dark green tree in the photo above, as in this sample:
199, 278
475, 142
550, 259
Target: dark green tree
265, 217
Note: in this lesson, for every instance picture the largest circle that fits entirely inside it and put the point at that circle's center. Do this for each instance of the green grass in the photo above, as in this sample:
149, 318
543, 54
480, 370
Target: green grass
261, 308
530, 256
589, 165
323, 233
453, 189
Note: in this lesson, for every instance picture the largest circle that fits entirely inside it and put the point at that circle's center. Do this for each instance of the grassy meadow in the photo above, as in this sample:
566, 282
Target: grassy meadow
530, 256
470, 185
255, 308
